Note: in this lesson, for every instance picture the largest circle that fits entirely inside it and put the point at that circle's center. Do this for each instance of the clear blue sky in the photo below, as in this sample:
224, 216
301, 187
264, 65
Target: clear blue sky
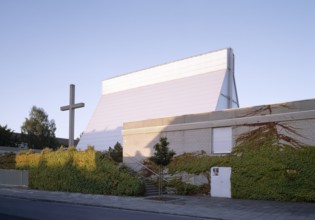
47, 45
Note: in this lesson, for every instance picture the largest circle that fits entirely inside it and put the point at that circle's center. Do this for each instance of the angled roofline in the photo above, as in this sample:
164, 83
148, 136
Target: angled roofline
162, 64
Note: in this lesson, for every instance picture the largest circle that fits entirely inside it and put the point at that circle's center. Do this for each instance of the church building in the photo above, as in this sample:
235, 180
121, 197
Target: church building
198, 84
194, 103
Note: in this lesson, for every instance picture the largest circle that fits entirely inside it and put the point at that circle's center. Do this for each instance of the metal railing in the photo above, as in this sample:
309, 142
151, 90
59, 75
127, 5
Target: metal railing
144, 166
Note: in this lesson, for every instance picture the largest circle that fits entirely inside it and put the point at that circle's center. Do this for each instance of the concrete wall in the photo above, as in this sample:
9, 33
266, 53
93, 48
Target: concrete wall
14, 177
189, 133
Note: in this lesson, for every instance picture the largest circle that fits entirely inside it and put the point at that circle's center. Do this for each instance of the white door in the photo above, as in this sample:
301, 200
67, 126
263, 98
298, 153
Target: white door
221, 182
222, 140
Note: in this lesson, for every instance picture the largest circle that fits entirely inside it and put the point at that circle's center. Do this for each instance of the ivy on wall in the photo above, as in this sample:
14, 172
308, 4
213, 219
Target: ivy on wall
268, 171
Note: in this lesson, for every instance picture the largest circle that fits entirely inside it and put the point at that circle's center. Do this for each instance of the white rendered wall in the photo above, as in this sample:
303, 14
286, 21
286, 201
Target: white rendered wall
193, 66
183, 87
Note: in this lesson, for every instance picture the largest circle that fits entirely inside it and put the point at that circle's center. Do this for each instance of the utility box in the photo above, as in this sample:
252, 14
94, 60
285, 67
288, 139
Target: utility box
220, 182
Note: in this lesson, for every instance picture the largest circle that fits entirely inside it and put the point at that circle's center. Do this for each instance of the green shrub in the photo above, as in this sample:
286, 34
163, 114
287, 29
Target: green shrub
268, 171
77, 171
196, 164
7, 161
188, 189
275, 173
27, 160
116, 153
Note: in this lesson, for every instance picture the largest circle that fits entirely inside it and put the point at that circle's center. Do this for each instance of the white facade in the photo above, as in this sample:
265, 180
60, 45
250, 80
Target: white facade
194, 85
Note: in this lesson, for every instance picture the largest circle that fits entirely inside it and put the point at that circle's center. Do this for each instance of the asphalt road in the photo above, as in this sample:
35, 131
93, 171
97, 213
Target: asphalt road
23, 209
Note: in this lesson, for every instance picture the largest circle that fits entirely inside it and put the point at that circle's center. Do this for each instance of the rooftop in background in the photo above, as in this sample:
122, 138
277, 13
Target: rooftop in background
17, 140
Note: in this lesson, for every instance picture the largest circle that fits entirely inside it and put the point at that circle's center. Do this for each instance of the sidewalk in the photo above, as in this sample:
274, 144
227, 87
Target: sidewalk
197, 206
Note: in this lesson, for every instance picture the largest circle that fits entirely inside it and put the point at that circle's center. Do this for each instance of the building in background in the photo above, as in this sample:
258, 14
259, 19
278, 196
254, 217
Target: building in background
195, 85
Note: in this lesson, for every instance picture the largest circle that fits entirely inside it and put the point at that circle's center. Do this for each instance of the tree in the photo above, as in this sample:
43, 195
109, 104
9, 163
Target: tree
116, 153
162, 157
6, 136
38, 131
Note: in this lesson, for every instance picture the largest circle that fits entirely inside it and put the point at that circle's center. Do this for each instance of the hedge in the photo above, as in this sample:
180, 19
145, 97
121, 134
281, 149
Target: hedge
268, 171
275, 173
77, 171
7, 161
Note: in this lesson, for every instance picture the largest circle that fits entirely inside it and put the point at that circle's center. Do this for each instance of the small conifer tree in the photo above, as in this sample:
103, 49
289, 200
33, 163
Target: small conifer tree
162, 157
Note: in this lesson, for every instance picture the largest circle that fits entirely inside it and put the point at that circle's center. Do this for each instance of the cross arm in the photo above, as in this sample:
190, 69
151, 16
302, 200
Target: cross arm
78, 105
68, 107
65, 108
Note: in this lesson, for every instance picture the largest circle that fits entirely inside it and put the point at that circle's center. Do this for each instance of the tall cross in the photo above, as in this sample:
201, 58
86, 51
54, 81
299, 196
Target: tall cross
71, 107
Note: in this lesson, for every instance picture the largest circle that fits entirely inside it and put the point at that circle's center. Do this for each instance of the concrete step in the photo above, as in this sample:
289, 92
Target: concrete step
150, 188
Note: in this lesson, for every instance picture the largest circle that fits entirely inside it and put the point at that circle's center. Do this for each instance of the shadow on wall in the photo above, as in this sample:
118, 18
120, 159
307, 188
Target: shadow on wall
100, 140
134, 161
139, 139
192, 133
